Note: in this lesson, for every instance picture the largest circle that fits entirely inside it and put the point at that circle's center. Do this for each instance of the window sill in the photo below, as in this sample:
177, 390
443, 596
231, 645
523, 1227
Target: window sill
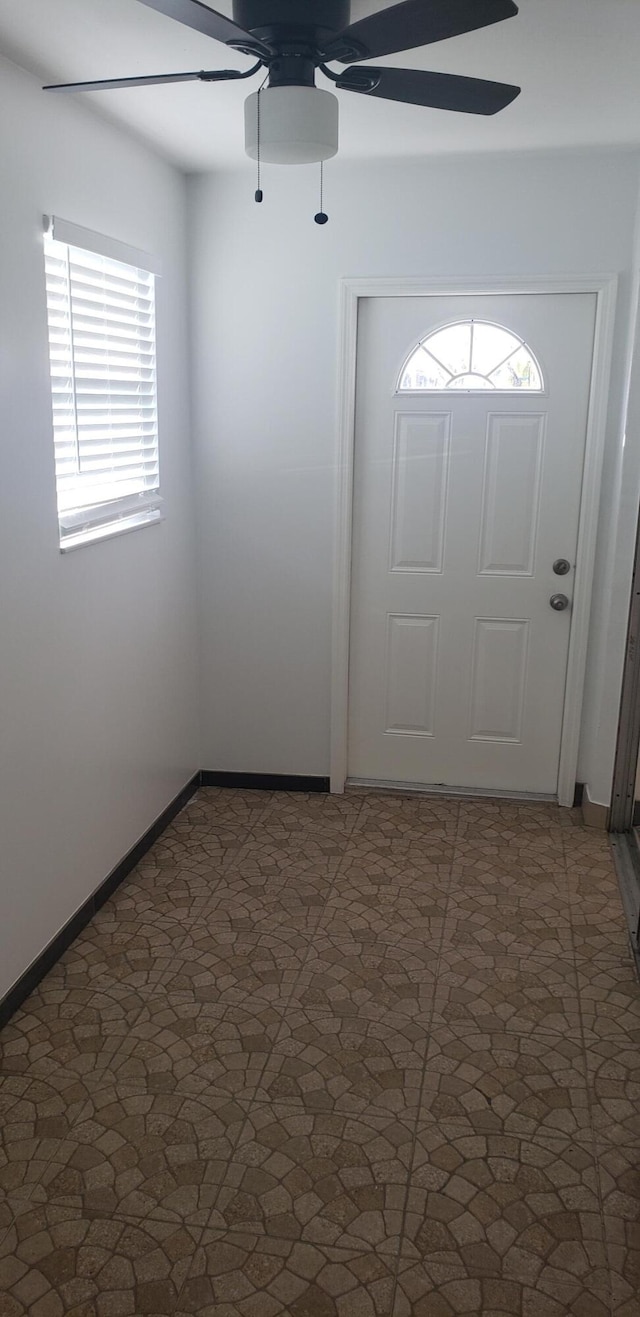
110, 530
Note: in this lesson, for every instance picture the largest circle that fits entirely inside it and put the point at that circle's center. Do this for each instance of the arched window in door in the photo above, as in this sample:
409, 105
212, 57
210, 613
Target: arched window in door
471, 355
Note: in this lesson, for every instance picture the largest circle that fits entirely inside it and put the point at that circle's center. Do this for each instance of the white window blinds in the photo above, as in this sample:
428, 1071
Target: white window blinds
101, 314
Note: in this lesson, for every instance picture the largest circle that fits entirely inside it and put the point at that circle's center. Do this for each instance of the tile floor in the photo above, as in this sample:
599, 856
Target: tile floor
371, 1056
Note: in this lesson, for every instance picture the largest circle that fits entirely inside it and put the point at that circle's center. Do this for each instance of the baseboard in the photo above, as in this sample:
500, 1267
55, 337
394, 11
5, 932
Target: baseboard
264, 781
594, 815
47, 958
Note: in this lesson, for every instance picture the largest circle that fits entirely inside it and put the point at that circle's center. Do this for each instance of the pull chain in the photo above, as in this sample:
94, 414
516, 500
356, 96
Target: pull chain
258, 193
321, 218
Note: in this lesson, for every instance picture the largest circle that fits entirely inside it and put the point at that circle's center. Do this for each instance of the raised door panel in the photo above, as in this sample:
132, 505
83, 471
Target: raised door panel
498, 681
511, 494
411, 670
419, 492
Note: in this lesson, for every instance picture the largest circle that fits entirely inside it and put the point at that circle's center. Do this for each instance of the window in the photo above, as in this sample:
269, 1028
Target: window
470, 355
102, 351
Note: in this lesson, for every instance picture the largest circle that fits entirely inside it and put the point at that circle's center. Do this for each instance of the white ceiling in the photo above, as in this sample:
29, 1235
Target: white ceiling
576, 60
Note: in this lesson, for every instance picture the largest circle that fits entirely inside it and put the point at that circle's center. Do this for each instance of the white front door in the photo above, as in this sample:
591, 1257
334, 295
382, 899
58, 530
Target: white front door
469, 453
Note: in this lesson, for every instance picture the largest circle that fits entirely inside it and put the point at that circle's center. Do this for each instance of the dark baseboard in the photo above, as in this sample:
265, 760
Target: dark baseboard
47, 958
264, 781
578, 794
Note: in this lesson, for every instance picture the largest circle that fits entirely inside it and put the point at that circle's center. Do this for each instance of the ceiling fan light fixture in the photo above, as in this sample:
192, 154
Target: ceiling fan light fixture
298, 125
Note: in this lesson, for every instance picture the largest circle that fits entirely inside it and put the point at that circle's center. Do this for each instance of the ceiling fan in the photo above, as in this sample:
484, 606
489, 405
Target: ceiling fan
291, 121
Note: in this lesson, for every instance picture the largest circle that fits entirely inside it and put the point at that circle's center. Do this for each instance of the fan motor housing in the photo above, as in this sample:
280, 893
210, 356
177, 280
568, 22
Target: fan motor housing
275, 21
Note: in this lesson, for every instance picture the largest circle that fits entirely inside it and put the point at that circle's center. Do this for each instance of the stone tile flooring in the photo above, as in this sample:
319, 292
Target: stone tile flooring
370, 1056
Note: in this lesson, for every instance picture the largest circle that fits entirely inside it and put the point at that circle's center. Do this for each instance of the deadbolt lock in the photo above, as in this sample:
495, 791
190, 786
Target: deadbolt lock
561, 566
559, 602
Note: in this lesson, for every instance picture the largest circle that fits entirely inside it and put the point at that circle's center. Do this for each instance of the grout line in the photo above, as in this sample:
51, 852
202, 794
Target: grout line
401, 1234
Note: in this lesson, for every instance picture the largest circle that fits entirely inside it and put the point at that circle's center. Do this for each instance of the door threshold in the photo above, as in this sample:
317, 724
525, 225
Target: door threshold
423, 789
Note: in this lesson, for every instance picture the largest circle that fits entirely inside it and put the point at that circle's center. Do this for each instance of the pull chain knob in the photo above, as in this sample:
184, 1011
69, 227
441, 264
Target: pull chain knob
321, 217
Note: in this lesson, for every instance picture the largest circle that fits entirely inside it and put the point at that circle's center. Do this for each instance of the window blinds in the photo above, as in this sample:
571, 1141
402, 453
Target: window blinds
101, 314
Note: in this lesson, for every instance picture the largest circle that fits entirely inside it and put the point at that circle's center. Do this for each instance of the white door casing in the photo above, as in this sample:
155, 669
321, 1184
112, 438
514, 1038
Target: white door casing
461, 503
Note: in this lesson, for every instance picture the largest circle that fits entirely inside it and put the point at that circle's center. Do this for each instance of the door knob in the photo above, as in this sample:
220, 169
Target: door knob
561, 566
559, 602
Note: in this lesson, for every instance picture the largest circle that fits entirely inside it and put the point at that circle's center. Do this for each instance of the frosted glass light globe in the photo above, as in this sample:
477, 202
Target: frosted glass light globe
298, 125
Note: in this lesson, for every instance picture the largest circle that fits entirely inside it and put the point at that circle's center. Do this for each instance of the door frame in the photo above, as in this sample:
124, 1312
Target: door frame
604, 286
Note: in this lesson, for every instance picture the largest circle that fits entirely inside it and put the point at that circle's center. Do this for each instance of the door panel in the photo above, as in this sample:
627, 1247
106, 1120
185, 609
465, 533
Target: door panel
412, 656
498, 680
462, 501
511, 495
420, 469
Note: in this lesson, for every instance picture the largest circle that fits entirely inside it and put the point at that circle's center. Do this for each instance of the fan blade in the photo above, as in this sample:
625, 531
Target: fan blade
196, 15
439, 91
216, 75
415, 23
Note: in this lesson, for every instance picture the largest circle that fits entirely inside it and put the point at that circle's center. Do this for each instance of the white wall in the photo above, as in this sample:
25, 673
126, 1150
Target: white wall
97, 671
265, 282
